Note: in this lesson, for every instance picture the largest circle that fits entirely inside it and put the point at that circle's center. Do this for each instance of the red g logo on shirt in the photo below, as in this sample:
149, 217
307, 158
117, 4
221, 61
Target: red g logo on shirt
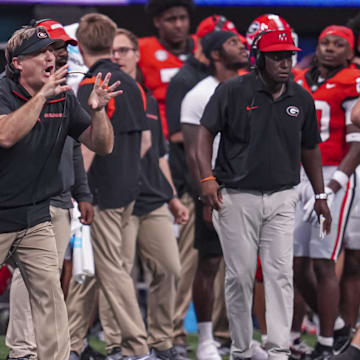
292, 111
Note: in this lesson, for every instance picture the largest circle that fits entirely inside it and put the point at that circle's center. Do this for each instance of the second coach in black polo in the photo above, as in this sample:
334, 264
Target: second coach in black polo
268, 125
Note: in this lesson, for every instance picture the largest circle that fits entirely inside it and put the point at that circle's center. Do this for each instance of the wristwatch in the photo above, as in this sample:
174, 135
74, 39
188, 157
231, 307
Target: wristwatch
322, 196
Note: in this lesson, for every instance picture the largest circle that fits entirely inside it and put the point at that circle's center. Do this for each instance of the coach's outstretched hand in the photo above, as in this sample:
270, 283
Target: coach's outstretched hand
102, 92
56, 83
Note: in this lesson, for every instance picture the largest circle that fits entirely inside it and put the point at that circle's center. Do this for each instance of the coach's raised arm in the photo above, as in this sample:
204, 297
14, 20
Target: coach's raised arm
31, 66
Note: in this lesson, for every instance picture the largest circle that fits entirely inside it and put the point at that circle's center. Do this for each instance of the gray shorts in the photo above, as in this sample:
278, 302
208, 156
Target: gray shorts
352, 232
307, 242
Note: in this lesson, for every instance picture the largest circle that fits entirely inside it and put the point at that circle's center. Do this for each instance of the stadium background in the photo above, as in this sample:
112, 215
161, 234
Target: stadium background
307, 17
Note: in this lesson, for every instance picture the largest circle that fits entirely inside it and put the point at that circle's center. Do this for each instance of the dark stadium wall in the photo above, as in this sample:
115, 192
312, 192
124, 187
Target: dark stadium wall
307, 22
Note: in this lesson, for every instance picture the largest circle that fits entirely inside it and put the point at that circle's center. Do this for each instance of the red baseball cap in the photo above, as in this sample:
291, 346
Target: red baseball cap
57, 31
277, 40
214, 23
338, 30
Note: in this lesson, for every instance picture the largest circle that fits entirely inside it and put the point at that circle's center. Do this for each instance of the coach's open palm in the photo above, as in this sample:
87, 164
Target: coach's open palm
102, 92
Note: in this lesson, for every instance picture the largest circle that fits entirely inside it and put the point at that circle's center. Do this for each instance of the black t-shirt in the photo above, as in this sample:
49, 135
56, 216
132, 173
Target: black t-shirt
155, 190
114, 178
261, 138
186, 78
29, 169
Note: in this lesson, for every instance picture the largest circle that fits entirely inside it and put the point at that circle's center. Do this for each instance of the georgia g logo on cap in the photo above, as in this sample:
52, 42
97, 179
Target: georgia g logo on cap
292, 111
283, 37
41, 34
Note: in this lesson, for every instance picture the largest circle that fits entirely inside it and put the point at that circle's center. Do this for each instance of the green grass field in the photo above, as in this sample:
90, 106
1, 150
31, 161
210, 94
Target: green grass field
100, 345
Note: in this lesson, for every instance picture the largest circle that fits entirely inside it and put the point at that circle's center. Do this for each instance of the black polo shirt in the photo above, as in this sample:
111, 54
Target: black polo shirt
114, 178
155, 190
29, 169
185, 79
261, 138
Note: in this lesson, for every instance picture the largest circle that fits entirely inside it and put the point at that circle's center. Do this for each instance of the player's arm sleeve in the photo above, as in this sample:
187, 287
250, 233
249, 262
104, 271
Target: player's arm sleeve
79, 119
80, 190
215, 113
310, 130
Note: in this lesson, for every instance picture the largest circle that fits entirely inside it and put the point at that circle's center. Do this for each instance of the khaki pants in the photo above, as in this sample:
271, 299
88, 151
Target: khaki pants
37, 258
219, 315
115, 282
153, 237
188, 260
251, 222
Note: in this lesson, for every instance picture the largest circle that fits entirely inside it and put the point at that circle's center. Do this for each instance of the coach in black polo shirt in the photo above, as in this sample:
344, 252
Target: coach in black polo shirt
268, 125
114, 182
36, 115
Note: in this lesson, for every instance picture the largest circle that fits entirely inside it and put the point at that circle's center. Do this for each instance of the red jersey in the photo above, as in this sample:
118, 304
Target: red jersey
334, 99
158, 66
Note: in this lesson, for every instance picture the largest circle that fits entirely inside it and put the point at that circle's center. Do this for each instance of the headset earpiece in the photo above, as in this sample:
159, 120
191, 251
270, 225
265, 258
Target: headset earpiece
35, 23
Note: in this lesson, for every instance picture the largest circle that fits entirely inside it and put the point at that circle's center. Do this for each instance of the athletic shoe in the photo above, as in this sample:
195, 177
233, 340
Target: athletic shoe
351, 353
91, 354
299, 349
74, 356
223, 348
258, 352
342, 339
207, 350
142, 357
321, 352
169, 354
182, 351
115, 354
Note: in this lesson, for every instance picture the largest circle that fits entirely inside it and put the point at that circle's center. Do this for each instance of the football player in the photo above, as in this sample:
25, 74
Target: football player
163, 55
335, 87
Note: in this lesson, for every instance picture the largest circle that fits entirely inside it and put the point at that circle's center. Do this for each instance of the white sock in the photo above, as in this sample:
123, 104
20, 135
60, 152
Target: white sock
339, 323
294, 335
326, 341
263, 339
205, 331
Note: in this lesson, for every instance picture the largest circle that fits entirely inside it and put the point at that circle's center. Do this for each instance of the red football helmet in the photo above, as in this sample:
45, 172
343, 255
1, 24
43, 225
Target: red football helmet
265, 22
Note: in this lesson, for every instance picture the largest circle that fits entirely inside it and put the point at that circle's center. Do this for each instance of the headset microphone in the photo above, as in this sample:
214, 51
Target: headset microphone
87, 75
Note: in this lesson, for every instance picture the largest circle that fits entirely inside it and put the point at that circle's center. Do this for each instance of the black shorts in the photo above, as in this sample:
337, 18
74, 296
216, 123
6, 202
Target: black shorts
206, 239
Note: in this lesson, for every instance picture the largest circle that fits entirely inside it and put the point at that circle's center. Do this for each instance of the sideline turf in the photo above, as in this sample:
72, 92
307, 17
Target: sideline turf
100, 345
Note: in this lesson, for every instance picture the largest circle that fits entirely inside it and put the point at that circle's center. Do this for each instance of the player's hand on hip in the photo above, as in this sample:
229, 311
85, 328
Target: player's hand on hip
56, 83
211, 195
102, 92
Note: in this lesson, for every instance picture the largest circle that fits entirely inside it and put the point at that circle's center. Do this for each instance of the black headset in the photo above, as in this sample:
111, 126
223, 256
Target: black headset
35, 23
256, 58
